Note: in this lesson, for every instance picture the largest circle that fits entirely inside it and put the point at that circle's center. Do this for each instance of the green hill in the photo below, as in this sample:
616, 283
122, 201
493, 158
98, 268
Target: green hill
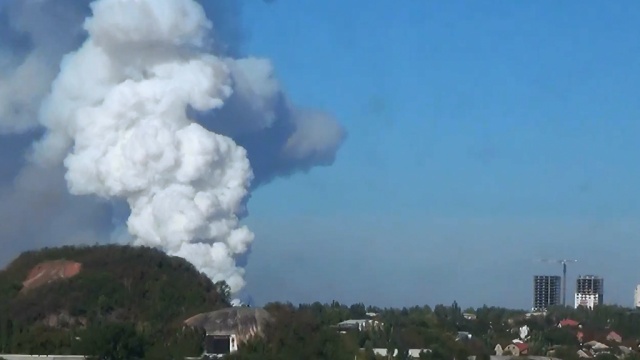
138, 296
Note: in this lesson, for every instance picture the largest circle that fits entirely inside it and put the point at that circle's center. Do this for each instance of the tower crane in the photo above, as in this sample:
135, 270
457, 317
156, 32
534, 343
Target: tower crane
564, 263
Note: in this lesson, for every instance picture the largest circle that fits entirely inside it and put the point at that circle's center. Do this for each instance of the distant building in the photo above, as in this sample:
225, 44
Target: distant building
568, 323
546, 291
636, 297
469, 316
413, 353
614, 336
589, 291
513, 349
359, 325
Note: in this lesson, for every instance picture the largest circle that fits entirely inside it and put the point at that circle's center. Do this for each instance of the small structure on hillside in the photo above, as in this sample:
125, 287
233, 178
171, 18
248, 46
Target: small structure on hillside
228, 328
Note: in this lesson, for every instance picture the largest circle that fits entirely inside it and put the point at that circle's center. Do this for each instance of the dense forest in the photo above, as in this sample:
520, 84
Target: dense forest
132, 296
131, 302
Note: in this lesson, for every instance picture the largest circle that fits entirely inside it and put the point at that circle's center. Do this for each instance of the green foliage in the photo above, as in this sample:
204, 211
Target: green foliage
112, 342
560, 336
566, 353
126, 303
606, 356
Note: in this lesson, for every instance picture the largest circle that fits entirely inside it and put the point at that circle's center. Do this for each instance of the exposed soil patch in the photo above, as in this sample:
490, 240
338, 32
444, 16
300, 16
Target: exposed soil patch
50, 271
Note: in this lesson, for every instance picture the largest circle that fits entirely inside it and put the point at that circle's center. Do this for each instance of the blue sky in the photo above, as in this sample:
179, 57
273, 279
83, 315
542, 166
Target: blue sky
482, 135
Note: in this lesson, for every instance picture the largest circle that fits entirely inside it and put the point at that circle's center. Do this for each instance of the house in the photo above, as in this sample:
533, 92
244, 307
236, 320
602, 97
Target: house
523, 348
614, 336
596, 346
517, 349
568, 323
624, 350
535, 314
585, 354
469, 316
463, 335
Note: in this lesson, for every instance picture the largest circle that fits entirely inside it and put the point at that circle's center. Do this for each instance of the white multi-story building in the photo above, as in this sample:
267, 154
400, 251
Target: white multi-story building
586, 300
636, 297
589, 291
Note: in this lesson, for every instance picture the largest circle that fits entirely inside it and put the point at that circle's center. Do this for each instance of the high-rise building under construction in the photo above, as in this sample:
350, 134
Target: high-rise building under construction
589, 291
546, 291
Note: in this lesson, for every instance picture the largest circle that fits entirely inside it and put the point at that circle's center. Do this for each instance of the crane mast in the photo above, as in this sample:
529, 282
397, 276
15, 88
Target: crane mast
564, 263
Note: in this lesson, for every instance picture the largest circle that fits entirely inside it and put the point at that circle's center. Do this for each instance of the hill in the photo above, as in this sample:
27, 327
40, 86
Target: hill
77, 299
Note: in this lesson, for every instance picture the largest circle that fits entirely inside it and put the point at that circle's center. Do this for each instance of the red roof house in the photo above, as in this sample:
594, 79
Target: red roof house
568, 323
614, 336
524, 348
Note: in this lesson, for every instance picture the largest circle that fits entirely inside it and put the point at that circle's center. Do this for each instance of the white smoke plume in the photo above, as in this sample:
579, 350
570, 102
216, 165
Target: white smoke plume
155, 109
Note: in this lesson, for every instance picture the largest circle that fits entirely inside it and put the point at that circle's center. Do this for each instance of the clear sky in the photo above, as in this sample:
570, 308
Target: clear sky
483, 135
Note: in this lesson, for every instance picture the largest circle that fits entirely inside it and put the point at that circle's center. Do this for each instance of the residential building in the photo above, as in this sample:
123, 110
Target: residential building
469, 316
513, 349
589, 291
636, 297
546, 291
359, 325
568, 323
614, 336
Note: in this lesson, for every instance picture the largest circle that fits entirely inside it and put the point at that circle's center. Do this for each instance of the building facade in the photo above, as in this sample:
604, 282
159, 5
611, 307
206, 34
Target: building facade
636, 297
589, 291
546, 291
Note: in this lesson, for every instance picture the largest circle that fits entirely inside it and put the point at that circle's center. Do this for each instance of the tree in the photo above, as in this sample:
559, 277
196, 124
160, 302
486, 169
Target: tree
224, 290
113, 342
606, 356
559, 336
358, 311
368, 351
566, 353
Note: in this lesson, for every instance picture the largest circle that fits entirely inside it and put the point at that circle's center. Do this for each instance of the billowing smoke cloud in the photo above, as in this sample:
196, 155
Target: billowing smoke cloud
156, 108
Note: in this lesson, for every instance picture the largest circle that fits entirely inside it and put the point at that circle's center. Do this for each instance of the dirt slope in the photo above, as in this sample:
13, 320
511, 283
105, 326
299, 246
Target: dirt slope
50, 271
